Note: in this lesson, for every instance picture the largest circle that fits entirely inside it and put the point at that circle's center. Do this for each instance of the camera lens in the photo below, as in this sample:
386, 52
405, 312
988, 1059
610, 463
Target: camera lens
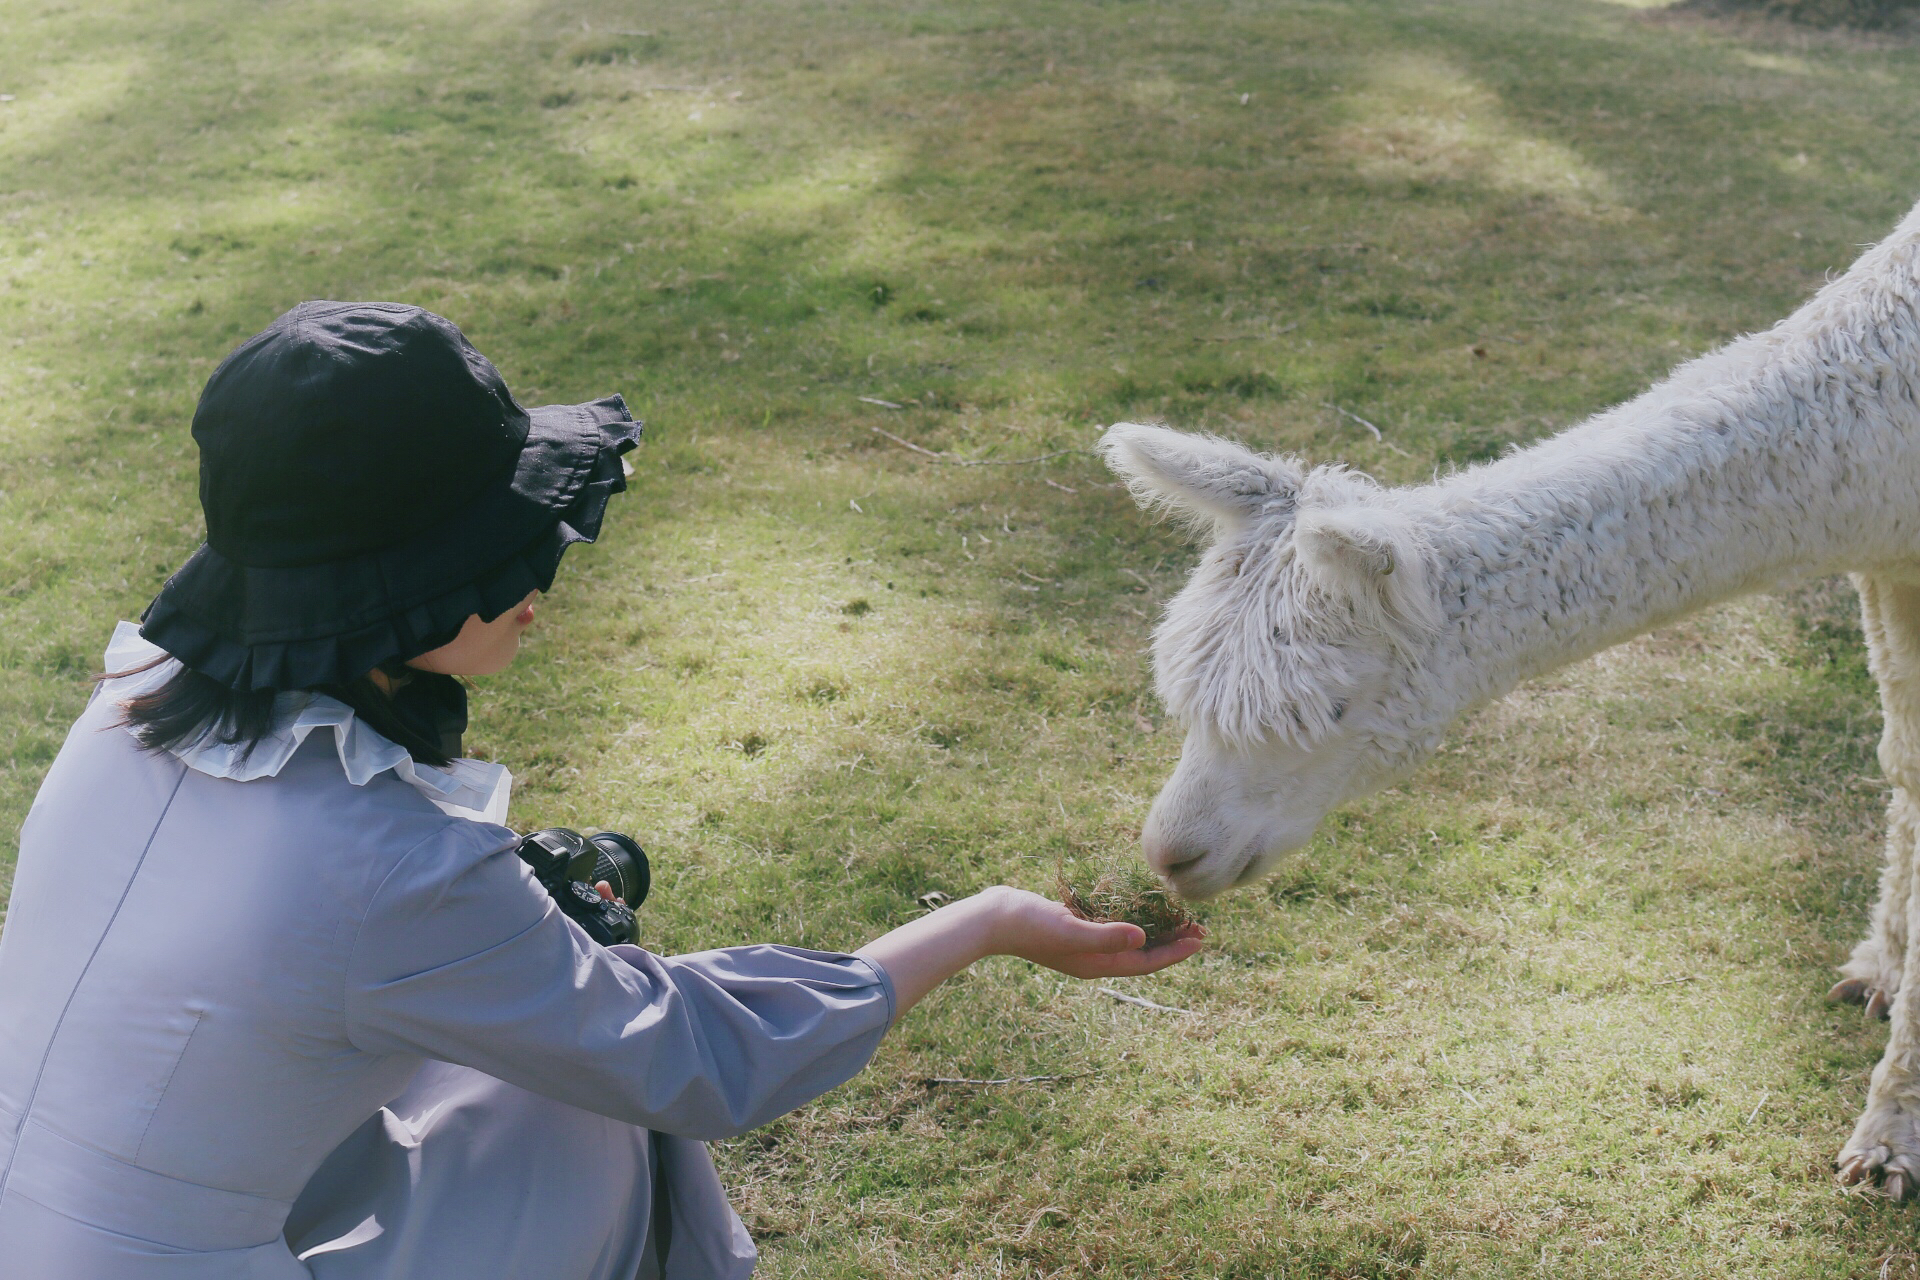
623, 864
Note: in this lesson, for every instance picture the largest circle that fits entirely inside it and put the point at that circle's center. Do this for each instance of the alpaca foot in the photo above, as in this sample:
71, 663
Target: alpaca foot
1871, 976
1848, 991
1885, 1146
1860, 991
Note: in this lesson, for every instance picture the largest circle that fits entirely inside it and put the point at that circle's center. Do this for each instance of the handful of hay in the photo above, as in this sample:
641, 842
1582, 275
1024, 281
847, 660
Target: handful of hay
1125, 891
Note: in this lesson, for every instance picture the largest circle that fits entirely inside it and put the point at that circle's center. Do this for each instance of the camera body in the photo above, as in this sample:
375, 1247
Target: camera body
568, 865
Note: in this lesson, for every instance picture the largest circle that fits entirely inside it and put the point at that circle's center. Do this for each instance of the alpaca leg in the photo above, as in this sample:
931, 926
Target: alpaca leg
1890, 616
1886, 1141
1871, 975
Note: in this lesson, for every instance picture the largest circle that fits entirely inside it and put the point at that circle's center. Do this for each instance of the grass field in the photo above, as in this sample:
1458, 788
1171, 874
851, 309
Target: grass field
1551, 1008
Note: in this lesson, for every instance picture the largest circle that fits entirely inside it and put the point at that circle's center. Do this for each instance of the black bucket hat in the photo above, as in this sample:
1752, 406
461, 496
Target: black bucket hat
369, 483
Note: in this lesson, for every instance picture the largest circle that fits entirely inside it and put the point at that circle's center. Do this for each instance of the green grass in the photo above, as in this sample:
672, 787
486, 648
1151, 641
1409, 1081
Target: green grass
1551, 1008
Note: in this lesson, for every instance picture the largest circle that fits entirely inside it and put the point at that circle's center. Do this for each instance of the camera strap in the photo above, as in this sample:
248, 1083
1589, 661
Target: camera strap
660, 1223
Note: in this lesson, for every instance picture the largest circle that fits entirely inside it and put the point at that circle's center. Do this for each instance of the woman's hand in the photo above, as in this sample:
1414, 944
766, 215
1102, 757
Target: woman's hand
1041, 930
924, 953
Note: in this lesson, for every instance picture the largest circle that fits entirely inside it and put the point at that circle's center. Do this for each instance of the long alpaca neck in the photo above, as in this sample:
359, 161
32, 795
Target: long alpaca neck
1788, 452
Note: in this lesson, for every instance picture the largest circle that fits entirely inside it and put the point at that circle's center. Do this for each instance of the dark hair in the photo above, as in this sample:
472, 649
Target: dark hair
191, 706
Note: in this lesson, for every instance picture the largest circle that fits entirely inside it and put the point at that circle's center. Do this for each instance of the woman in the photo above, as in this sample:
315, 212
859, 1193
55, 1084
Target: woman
277, 998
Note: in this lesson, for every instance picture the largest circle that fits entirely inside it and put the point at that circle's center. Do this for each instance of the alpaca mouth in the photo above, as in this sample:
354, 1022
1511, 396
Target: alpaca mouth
1201, 871
1179, 871
1250, 871
1207, 874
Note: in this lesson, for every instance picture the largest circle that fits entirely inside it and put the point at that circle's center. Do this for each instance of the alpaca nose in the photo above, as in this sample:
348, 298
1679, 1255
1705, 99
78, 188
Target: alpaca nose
1174, 863
1172, 858
1193, 873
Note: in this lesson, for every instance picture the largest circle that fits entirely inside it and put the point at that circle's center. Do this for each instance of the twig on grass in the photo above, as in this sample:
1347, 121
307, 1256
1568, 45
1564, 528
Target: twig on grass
908, 444
952, 461
1755, 1113
1685, 977
884, 404
1124, 998
933, 1081
1348, 413
1050, 1211
1013, 462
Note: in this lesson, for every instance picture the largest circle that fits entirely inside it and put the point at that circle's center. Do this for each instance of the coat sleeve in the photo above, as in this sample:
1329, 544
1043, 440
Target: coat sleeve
463, 957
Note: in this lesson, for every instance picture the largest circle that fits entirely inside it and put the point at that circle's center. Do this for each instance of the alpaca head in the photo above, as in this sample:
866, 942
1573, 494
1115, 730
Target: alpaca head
1288, 656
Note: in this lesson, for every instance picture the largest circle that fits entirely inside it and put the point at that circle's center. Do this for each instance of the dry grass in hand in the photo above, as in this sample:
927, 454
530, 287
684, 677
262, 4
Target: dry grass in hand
1125, 891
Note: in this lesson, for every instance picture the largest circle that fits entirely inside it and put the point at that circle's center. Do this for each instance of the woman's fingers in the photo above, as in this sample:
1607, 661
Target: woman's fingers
1044, 931
1133, 960
1185, 933
1109, 937
1135, 963
1131, 964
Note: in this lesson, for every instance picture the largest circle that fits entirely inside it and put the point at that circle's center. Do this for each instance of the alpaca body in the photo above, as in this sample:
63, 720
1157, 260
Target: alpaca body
1334, 628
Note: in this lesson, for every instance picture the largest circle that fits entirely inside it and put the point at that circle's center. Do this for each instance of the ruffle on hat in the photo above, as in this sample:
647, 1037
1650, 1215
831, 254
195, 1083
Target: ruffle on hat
253, 627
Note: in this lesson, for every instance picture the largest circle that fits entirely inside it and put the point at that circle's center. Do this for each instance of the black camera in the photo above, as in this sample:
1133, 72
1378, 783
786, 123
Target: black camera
568, 865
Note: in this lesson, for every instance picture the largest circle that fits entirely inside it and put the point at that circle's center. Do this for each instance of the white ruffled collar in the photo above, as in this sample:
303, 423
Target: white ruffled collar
473, 789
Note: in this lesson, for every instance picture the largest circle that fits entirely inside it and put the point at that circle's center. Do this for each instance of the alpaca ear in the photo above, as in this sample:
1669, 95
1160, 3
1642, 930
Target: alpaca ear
1377, 560
1197, 476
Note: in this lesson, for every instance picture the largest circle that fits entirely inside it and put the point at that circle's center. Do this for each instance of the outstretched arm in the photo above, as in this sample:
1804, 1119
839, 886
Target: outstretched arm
921, 955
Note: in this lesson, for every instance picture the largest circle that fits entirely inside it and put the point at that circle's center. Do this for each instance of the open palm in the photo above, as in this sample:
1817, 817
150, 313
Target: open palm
1041, 930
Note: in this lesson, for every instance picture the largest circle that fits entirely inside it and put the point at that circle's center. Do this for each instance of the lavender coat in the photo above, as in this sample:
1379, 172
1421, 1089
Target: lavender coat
296, 1027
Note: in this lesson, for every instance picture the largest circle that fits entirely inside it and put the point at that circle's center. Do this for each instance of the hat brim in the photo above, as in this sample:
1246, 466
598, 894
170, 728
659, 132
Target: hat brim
305, 626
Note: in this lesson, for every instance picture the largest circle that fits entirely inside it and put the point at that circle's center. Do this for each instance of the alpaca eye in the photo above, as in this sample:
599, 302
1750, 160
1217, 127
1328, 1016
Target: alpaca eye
1339, 709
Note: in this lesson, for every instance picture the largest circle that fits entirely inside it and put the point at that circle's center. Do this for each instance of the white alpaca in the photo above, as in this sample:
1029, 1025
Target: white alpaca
1335, 628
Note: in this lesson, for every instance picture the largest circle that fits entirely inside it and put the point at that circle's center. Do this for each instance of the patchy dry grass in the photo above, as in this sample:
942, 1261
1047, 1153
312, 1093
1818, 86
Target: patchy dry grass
1551, 1008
